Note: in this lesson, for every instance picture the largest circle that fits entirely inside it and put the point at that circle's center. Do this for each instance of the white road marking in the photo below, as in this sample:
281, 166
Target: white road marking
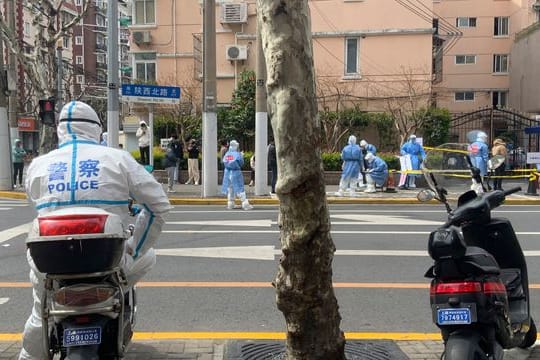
355, 219
3, 300
9, 234
368, 219
345, 232
266, 252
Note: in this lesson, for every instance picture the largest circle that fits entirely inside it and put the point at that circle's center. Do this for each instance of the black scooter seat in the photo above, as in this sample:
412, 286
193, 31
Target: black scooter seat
476, 261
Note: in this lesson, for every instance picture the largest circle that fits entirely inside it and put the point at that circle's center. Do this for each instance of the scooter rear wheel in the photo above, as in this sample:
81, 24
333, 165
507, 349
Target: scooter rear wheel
464, 347
530, 338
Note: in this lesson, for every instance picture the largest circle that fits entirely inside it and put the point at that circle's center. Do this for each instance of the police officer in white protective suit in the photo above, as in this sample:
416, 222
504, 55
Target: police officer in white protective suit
81, 172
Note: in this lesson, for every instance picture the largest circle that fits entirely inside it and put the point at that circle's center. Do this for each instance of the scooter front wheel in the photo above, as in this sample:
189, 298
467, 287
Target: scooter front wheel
464, 347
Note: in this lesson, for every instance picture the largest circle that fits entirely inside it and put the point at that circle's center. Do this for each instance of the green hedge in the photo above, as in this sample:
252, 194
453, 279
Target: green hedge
331, 161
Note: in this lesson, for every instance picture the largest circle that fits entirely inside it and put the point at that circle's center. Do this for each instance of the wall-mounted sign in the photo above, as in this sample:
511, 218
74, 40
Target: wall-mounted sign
26, 124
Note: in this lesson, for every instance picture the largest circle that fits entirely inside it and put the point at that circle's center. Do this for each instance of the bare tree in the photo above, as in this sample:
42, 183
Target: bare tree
406, 100
186, 114
333, 96
303, 283
40, 65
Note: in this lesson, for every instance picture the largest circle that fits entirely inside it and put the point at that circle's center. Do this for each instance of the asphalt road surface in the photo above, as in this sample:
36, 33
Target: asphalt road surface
215, 267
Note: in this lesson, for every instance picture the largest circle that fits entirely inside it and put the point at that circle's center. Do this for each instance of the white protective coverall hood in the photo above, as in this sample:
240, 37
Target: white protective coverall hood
81, 172
352, 140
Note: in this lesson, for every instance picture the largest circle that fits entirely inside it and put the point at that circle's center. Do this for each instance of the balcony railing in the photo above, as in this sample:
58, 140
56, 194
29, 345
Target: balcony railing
102, 47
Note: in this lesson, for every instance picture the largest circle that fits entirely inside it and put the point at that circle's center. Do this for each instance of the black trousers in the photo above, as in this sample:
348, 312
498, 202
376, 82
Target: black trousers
145, 155
497, 183
17, 172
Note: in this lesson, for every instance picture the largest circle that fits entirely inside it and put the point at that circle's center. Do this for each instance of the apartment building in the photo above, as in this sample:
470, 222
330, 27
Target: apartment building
364, 51
477, 67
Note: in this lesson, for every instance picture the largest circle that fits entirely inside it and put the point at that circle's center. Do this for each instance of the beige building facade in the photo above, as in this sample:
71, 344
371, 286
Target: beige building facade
477, 67
364, 51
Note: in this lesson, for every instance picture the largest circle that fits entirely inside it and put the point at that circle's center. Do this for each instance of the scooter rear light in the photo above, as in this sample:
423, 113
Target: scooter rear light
494, 287
72, 224
455, 287
82, 295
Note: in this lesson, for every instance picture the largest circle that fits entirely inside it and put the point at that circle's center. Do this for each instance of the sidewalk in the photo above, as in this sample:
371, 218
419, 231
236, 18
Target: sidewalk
192, 195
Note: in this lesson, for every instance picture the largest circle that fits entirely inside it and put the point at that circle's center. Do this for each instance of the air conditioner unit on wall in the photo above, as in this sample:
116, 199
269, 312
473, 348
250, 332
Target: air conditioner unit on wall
236, 52
234, 13
141, 37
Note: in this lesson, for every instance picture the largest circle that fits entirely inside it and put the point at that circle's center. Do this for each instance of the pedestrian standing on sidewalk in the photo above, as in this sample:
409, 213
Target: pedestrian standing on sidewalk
352, 158
499, 149
272, 165
143, 136
170, 164
17, 155
417, 154
178, 149
233, 179
252, 166
193, 162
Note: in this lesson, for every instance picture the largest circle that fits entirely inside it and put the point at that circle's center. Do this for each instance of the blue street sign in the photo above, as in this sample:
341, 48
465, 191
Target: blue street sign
151, 93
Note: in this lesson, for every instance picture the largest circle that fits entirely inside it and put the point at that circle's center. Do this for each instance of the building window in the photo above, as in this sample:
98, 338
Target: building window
499, 98
79, 2
351, 56
101, 58
26, 30
66, 42
101, 21
80, 79
464, 96
145, 12
78, 60
78, 40
465, 59
500, 26
145, 66
500, 63
466, 22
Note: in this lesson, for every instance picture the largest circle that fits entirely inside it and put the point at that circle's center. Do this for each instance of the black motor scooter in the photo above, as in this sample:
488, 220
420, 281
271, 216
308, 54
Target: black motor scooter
479, 291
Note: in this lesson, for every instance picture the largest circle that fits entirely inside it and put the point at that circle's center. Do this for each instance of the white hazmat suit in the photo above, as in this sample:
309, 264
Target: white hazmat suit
81, 172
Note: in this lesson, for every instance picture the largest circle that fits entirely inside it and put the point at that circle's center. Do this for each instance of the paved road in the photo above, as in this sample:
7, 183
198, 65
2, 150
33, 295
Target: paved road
377, 291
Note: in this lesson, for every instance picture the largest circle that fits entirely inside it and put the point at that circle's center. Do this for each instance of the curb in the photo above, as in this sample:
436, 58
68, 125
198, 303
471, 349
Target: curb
275, 201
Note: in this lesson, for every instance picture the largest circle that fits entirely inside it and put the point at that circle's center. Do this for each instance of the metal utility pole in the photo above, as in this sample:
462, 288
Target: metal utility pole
113, 104
261, 122
12, 74
60, 75
5, 148
209, 125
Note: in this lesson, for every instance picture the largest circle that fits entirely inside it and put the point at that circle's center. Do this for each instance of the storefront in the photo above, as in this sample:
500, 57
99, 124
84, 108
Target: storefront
29, 133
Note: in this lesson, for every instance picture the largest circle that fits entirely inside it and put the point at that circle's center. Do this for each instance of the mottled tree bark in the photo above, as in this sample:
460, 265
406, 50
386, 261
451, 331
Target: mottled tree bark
303, 283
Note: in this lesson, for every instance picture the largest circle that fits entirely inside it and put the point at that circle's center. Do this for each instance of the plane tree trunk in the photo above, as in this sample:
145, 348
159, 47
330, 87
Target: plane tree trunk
303, 283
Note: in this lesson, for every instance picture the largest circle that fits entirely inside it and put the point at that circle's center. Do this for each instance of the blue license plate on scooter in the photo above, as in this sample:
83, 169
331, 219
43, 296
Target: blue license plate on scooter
458, 316
82, 336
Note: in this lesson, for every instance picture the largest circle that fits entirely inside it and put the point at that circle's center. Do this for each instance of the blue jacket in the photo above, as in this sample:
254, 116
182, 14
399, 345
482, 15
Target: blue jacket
232, 176
478, 151
379, 170
351, 156
416, 151
369, 148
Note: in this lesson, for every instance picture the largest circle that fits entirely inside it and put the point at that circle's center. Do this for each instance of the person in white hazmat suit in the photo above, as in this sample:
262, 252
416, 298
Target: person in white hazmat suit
81, 172
233, 179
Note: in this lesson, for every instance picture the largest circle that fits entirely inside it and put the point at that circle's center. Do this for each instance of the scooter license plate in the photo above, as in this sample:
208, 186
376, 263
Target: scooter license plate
459, 316
82, 336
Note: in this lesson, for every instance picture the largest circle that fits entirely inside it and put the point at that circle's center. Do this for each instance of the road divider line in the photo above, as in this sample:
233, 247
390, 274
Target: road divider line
232, 335
9, 234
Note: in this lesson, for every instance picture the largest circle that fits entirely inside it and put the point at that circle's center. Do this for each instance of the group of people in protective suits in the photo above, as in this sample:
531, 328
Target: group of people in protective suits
480, 158
362, 167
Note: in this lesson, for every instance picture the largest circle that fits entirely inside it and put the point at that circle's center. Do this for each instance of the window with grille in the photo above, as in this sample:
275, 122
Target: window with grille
464, 96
